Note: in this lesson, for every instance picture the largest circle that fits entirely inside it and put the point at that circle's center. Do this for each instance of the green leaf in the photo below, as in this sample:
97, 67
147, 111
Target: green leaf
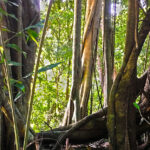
5, 29
136, 106
48, 67
13, 63
7, 14
43, 69
2, 60
3, 12
20, 86
1, 50
39, 24
14, 46
13, 81
13, 16
33, 35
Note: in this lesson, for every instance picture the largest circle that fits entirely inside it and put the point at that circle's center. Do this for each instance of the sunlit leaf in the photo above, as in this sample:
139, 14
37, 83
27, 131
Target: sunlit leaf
136, 106
1, 49
13, 63
20, 86
33, 35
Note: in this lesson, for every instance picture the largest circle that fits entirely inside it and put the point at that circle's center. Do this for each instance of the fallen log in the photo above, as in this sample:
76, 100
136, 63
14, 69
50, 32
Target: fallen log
87, 130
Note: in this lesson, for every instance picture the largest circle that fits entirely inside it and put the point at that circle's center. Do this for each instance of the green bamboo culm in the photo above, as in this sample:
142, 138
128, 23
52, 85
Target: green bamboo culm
35, 76
11, 101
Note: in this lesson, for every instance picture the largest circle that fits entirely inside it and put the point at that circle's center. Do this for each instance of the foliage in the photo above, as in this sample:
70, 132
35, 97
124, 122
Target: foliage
50, 100
120, 34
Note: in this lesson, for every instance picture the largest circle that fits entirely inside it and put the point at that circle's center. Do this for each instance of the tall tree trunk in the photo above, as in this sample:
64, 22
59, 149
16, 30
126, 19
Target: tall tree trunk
121, 112
74, 96
107, 50
82, 78
76, 65
27, 13
89, 51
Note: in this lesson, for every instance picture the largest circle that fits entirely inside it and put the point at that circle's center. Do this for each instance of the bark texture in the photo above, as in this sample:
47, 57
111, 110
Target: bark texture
87, 130
89, 51
27, 14
126, 88
84, 61
107, 50
76, 65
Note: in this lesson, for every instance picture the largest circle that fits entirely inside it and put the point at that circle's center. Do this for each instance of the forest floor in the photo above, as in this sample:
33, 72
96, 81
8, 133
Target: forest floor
98, 145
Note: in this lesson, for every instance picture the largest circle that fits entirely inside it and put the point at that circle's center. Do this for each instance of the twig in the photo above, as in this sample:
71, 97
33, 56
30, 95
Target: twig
148, 122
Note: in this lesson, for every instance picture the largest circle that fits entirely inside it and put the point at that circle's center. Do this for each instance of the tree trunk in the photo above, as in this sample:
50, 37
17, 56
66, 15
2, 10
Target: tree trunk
107, 50
89, 51
82, 75
126, 88
27, 13
87, 130
74, 96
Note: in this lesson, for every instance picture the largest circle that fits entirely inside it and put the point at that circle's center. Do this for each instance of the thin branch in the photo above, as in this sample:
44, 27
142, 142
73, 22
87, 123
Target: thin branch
35, 76
7, 75
148, 122
19, 40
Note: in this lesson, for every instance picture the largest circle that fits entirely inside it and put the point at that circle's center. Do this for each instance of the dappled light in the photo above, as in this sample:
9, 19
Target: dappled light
74, 74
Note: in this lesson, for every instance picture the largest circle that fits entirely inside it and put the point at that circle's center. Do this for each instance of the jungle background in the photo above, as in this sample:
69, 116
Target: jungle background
75, 74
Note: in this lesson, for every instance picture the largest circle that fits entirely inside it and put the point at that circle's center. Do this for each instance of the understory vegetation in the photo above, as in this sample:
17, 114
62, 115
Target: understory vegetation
74, 72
